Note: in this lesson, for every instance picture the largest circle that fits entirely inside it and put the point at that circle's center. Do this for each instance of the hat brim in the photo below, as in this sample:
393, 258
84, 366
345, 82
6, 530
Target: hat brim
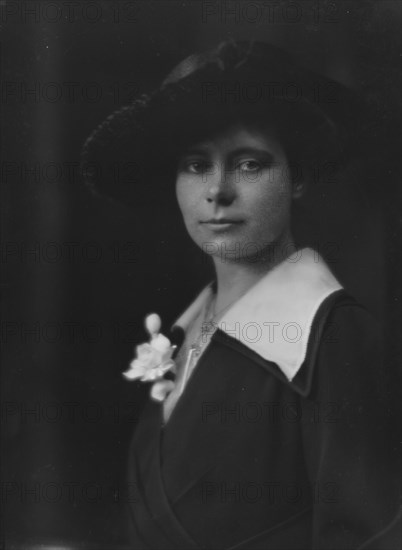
141, 142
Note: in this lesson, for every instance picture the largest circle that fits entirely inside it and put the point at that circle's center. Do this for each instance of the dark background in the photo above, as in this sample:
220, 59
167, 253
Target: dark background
79, 272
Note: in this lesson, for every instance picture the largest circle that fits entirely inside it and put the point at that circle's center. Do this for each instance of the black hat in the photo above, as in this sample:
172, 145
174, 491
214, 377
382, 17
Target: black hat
316, 118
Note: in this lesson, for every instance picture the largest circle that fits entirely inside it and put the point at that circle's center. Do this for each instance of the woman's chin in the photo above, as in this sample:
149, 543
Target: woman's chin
229, 249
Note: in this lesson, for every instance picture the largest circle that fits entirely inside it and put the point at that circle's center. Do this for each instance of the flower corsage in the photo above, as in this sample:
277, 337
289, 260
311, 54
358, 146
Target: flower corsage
153, 360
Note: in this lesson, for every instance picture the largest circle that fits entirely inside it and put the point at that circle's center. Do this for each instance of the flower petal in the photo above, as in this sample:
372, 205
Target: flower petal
143, 350
151, 374
132, 374
160, 343
148, 358
153, 323
160, 389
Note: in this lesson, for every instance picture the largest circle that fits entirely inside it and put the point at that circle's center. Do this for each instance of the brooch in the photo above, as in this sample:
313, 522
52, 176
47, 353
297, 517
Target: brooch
153, 360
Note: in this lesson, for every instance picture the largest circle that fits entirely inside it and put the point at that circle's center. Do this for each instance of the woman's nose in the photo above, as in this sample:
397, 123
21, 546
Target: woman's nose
220, 188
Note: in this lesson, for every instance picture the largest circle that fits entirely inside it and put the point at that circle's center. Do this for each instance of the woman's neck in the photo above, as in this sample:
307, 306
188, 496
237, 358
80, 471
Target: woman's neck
235, 278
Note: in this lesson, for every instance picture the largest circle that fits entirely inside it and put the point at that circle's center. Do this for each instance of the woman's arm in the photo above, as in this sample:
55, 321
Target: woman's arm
347, 434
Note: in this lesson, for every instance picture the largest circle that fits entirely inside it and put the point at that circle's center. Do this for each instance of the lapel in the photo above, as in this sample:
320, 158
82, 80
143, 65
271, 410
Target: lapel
274, 319
301, 382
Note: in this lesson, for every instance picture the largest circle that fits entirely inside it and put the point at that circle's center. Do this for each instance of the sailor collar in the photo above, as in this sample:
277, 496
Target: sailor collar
275, 317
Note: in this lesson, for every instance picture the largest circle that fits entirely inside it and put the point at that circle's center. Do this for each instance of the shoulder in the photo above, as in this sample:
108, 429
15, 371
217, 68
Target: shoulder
344, 349
341, 322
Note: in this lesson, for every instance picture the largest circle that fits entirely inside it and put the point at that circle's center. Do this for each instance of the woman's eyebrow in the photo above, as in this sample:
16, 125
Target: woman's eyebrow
251, 151
248, 150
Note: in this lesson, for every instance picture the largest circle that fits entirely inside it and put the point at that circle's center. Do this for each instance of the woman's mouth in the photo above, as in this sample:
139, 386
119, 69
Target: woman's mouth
221, 224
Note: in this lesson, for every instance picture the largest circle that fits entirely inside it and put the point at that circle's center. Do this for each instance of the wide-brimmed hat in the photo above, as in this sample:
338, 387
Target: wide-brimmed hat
317, 118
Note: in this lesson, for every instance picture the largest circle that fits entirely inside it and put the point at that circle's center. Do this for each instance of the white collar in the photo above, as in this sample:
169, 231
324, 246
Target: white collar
275, 316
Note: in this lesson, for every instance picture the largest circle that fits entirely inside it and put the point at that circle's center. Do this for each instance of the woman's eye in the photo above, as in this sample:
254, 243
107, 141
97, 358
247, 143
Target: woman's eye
249, 166
196, 167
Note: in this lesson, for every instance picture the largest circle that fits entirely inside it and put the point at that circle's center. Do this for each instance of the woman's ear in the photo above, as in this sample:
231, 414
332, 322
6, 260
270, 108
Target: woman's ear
298, 189
297, 179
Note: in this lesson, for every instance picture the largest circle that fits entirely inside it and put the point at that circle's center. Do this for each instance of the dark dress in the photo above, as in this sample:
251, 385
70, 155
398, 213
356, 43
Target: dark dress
251, 459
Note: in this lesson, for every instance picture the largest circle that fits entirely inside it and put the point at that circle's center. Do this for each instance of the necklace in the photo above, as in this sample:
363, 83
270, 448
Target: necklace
209, 323
208, 327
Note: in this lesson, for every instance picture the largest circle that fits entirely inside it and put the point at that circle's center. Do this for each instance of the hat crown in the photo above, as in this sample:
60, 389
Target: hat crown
230, 56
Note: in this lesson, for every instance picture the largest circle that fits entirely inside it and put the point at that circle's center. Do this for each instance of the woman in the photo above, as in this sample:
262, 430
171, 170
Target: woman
266, 426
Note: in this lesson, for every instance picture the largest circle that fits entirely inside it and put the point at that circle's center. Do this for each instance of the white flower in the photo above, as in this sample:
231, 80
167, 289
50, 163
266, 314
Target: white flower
154, 358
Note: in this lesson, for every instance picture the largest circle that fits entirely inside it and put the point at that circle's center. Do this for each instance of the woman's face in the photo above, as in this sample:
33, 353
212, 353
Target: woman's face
234, 191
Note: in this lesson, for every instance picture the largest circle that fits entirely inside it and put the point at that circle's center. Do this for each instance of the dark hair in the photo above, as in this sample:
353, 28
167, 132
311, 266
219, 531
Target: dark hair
140, 158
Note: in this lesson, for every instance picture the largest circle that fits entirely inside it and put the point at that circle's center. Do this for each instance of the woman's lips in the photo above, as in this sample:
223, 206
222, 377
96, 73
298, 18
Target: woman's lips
221, 224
